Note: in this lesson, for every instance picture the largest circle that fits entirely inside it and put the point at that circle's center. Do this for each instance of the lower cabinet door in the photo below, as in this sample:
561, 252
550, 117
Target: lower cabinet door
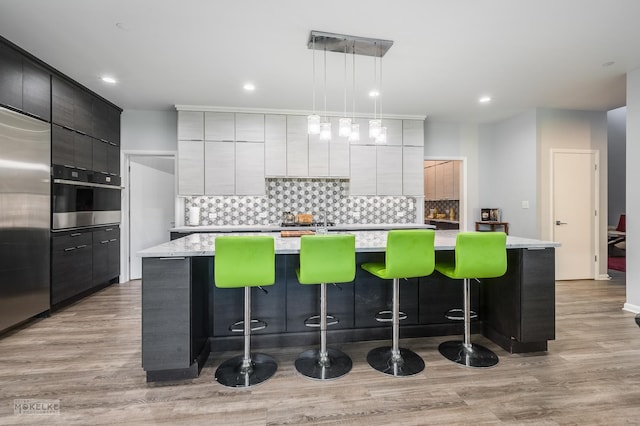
71, 272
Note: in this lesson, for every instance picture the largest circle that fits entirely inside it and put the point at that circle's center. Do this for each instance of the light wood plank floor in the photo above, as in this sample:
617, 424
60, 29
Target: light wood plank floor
88, 357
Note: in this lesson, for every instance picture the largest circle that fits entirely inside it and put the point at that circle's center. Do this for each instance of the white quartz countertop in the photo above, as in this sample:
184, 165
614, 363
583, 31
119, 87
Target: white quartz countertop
203, 244
278, 228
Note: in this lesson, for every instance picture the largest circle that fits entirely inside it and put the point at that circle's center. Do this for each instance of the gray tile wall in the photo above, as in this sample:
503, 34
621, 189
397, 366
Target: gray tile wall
304, 195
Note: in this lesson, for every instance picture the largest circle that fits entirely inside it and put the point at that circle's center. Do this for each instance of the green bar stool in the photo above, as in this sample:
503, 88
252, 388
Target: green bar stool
409, 254
325, 259
245, 261
477, 255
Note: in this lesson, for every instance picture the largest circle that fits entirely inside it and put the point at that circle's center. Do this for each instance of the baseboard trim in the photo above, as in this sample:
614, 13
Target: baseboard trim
631, 308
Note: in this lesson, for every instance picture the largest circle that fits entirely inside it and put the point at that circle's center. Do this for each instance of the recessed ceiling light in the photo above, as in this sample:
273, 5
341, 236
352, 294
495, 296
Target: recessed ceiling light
249, 87
108, 79
374, 93
484, 99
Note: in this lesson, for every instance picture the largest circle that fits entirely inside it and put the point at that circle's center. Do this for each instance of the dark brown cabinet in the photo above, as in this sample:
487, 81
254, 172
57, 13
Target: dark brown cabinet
24, 85
62, 94
71, 264
106, 254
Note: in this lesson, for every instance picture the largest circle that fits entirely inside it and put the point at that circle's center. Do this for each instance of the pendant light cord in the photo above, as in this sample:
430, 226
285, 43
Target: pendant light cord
313, 46
345, 78
353, 93
325, 82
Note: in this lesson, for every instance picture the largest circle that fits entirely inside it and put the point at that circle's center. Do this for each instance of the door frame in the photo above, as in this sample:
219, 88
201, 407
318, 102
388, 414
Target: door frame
463, 215
595, 192
126, 208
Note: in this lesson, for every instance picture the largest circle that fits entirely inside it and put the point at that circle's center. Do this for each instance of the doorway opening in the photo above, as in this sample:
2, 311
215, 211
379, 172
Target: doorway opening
443, 201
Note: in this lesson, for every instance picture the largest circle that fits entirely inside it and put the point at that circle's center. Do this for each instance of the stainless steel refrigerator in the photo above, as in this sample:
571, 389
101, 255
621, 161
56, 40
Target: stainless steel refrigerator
25, 204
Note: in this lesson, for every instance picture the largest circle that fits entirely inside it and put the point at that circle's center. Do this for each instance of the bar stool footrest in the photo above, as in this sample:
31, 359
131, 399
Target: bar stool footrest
308, 364
457, 314
387, 316
476, 356
231, 374
238, 326
381, 359
314, 321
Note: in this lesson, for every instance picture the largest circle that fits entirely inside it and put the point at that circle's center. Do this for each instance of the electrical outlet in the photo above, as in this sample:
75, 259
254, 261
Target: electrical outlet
355, 215
401, 214
525, 204
263, 215
212, 215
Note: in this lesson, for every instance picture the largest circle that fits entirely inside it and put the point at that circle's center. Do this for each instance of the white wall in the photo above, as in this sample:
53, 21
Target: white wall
149, 130
616, 146
508, 171
633, 201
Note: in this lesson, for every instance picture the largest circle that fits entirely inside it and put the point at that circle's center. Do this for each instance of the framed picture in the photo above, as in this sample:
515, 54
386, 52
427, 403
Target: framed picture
485, 215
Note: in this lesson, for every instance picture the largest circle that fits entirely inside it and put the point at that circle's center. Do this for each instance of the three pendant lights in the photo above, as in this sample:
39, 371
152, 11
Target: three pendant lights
317, 125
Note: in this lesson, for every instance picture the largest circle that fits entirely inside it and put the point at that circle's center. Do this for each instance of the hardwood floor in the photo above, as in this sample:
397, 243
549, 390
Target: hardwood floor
88, 357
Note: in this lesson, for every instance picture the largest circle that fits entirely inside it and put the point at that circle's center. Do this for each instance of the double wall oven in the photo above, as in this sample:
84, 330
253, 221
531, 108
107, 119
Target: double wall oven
80, 198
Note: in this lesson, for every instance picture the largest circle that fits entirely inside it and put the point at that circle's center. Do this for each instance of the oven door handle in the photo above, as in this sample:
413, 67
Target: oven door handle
90, 184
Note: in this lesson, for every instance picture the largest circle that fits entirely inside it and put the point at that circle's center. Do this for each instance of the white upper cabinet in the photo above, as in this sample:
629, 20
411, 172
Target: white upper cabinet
190, 126
250, 168
363, 170
297, 146
389, 170
275, 149
249, 127
219, 168
412, 171
318, 157
190, 167
364, 133
394, 131
219, 126
413, 132
339, 152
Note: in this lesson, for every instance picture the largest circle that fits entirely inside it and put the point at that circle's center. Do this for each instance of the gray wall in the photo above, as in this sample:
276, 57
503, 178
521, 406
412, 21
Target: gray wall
508, 177
149, 130
616, 147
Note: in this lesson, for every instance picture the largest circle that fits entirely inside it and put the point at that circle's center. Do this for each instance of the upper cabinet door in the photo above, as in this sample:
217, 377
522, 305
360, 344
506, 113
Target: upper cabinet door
250, 168
36, 90
190, 125
219, 168
190, 167
412, 171
249, 127
413, 132
338, 152
363, 170
389, 170
394, 131
10, 77
219, 126
275, 149
318, 157
62, 94
83, 111
297, 146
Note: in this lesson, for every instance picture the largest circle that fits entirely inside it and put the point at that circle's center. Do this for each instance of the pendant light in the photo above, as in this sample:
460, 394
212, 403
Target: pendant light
344, 129
313, 120
375, 124
354, 136
382, 136
325, 126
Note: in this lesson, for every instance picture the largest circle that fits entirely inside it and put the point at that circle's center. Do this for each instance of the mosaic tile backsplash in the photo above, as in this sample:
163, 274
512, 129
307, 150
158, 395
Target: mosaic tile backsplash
443, 206
302, 196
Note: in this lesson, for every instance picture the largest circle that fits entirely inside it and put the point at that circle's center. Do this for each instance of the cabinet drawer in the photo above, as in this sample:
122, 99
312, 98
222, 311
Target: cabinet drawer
71, 240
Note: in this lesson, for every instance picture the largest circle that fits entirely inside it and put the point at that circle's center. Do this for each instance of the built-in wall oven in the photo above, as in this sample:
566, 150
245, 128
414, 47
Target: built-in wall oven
78, 202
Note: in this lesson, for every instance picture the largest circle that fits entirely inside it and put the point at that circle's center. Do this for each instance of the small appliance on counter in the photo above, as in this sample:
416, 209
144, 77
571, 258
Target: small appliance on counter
288, 219
194, 216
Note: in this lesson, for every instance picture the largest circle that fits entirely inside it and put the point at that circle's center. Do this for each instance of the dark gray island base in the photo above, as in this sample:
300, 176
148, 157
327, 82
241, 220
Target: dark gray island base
185, 317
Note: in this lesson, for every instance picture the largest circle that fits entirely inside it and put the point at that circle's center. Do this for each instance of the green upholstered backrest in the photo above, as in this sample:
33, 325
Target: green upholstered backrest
244, 261
410, 253
329, 258
480, 255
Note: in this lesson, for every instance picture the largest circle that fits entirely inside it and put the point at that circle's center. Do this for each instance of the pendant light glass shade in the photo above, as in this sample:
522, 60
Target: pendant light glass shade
325, 131
313, 124
355, 133
374, 128
345, 127
382, 136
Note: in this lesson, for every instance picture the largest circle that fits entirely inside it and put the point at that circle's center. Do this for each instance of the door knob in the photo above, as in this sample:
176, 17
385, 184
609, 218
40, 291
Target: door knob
560, 223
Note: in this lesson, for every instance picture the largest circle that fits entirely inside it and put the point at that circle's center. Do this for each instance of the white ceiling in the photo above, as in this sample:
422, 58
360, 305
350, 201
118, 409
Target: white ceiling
446, 53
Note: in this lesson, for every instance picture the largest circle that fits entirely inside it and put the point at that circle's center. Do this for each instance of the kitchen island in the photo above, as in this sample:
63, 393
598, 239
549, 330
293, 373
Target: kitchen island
185, 317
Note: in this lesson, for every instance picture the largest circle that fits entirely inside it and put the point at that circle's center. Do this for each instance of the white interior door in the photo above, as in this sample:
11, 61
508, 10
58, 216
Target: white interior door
574, 213
151, 205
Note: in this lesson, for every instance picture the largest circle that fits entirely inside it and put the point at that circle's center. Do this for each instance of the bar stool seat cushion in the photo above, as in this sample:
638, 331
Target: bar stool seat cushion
403, 246
327, 258
244, 261
477, 255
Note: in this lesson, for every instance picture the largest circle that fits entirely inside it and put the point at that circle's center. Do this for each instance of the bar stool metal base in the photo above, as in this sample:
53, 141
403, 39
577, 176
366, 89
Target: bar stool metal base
308, 364
409, 364
230, 373
476, 356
